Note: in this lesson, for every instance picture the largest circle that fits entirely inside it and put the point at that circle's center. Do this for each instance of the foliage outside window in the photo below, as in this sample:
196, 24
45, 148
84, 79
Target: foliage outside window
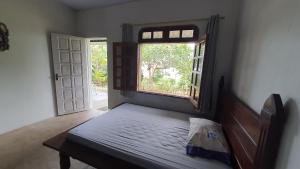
166, 68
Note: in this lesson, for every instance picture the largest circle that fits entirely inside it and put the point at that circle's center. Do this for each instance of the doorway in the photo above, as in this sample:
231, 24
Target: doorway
97, 49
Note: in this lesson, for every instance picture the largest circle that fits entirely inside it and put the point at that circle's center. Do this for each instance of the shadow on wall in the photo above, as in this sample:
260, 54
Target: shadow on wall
290, 132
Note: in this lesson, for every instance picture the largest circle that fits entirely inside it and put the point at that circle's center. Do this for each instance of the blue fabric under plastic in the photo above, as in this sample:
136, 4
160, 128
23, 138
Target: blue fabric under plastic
220, 156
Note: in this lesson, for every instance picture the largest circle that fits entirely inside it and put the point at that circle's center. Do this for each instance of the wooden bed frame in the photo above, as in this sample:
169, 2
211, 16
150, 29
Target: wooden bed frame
254, 138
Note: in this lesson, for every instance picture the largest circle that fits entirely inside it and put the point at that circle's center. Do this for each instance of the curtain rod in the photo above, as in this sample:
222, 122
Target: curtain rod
175, 21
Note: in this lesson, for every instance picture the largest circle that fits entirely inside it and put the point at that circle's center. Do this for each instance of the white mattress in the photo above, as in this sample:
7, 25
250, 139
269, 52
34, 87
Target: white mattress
148, 137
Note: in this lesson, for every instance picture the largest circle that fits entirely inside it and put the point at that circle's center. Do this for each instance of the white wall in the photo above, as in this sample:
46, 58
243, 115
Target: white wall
25, 73
267, 61
105, 22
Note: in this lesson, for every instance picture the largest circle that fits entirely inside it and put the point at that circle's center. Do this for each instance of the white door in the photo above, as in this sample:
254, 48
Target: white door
70, 68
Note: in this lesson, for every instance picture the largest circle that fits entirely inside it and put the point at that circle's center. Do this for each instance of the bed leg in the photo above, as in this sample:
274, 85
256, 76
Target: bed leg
64, 161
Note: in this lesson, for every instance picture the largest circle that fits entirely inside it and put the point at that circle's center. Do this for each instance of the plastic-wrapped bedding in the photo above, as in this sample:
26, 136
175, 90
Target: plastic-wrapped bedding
148, 137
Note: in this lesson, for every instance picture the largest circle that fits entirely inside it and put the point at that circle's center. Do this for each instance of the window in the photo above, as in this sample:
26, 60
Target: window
169, 34
174, 34
166, 59
187, 33
147, 35
165, 68
197, 71
158, 35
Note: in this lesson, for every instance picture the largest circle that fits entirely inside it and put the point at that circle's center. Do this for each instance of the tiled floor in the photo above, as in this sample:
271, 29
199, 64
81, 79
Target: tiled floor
23, 149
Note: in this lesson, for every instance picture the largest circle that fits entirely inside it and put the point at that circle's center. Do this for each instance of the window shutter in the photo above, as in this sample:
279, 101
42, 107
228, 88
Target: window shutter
117, 66
199, 54
125, 66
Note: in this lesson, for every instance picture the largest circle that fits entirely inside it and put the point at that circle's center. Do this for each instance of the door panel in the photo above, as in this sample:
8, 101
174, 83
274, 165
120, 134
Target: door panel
70, 68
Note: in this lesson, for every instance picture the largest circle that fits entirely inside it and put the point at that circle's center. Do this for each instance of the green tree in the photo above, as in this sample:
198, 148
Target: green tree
158, 57
99, 63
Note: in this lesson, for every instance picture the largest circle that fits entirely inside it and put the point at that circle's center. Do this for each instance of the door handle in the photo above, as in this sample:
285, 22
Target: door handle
56, 76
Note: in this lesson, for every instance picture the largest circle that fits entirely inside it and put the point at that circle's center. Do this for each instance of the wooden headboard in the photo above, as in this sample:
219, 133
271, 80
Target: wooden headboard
254, 138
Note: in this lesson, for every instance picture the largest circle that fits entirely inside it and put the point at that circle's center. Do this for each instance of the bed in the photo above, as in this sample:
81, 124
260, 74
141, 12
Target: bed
147, 137
136, 137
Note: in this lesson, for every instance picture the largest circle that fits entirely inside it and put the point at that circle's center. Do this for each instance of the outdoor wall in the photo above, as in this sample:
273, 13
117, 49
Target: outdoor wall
106, 22
267, 61
26, 90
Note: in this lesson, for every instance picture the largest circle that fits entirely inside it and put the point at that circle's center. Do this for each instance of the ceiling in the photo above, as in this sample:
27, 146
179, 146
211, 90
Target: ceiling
87, 4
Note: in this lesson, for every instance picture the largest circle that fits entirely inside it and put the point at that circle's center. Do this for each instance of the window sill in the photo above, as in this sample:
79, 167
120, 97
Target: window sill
162, 94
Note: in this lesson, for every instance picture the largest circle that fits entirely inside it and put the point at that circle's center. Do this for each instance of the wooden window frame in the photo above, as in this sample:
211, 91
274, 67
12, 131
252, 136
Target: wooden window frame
203, 41
165, 38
